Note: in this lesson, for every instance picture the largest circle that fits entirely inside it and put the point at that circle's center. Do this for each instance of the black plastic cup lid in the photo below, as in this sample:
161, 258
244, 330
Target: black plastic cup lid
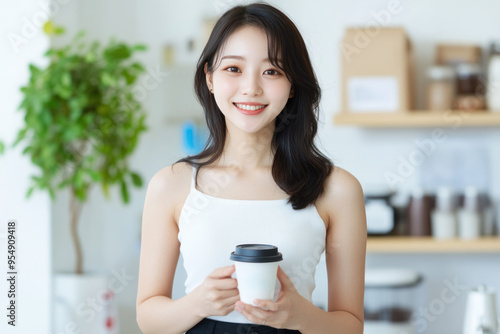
257, 253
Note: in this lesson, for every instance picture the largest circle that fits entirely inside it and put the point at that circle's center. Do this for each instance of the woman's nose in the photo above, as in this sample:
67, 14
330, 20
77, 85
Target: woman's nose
251, 85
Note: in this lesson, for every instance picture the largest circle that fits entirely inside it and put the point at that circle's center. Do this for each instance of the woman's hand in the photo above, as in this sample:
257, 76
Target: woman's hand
288, 311
218, 293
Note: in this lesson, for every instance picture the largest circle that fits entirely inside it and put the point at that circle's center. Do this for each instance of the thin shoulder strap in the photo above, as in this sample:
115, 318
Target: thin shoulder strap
193, 176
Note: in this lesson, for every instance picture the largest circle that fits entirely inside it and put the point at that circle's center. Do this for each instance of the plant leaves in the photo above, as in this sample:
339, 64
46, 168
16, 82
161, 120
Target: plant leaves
90, 57
130, 78
138, 67
33, 69
48, 28
117, 52
107, 79
30, 191
124, 191
136, 179
27, 150
51, 30
78, 180
105, 189
59, 31
94, 175
66, 79
85, 95
79, 35
139, 47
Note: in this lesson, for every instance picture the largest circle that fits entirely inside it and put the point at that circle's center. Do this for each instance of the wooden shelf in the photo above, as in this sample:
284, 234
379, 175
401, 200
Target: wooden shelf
431, 245
419, 118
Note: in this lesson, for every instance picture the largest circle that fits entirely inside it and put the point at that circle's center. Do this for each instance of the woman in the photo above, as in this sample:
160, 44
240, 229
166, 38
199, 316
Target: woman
260, 179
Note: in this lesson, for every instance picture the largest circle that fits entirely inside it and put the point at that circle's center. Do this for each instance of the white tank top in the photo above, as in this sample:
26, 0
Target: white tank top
211, 227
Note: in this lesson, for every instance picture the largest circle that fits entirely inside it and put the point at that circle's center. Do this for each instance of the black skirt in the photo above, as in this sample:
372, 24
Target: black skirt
209, 326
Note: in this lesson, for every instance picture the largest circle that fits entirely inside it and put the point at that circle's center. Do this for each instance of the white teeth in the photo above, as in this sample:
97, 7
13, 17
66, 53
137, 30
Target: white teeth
247, 107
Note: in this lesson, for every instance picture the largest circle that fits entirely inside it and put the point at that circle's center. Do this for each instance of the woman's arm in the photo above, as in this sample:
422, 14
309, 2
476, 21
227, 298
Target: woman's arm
345, 259
156, 311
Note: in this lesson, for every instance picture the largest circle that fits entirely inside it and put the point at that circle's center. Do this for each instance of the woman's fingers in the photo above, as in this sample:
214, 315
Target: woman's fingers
231, 301
222, 272
224, 294
254, 314
266, 305
225, 284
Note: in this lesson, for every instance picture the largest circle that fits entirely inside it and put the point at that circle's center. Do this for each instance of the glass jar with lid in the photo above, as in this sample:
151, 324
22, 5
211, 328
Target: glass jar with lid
440, 88
470, 89
493, 92
468, 76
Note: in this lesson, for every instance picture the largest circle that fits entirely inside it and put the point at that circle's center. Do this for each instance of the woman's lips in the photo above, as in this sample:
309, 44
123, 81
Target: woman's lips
250, 112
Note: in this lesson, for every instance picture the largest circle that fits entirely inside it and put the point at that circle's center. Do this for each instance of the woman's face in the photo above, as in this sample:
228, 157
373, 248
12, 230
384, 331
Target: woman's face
248, 89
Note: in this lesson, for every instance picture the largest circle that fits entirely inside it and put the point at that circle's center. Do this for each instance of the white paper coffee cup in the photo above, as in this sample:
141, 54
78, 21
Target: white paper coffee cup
256, 271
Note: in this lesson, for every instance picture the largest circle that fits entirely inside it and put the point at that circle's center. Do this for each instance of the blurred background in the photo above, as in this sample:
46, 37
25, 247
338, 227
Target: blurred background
410, 107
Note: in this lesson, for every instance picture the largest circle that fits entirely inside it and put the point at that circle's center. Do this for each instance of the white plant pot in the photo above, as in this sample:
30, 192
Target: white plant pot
84, 304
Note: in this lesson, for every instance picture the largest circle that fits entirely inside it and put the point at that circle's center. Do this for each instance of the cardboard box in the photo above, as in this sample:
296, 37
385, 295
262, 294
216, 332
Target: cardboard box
376, 70
454, 54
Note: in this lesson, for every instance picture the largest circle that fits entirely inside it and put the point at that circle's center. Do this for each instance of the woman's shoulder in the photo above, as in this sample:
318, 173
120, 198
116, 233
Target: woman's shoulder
171, 184
341, 189
172, 176
340, 183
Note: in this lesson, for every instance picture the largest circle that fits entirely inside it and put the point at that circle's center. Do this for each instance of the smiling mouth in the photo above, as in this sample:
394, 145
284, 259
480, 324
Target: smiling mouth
250, 107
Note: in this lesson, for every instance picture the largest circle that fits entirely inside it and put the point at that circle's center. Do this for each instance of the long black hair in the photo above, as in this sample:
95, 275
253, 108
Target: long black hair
299, 168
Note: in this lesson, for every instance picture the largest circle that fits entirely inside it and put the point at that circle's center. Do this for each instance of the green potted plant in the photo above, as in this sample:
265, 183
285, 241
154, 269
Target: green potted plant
82, 121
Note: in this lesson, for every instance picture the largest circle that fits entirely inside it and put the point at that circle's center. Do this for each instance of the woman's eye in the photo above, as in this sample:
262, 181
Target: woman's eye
274, 72
232, 69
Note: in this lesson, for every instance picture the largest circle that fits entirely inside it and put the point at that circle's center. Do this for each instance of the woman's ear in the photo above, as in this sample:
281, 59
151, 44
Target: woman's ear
291, 93
208, 78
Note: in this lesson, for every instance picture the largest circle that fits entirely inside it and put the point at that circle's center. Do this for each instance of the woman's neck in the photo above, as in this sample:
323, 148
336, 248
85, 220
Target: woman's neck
247, 151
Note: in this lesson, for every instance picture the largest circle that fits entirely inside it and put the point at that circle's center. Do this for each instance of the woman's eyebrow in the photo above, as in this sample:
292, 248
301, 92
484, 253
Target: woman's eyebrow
243, 58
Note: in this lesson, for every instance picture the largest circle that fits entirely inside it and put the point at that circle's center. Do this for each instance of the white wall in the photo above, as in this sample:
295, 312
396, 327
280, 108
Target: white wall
20, 21
110, 231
